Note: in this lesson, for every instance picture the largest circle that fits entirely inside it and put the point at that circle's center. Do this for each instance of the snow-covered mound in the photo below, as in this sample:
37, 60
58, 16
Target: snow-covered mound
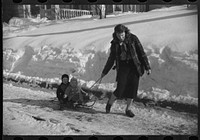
18, 25
81, 48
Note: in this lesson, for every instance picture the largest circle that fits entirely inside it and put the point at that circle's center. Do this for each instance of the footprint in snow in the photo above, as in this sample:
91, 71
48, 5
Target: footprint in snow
72, 127
69, 124
37, 118
89, 119
79, 117
54, 121
75, 129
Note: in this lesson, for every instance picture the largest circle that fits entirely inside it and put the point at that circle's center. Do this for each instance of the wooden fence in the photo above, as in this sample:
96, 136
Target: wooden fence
63, 13
70, 13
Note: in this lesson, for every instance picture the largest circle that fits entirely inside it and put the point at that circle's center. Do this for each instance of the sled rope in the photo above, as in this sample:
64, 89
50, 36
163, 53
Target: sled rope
99, 80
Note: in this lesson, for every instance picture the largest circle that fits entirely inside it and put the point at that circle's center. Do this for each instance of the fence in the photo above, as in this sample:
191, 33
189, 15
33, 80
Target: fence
63, 13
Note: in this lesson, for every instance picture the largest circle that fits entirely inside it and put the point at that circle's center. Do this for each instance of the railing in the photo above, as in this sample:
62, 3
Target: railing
63, 13
71, 13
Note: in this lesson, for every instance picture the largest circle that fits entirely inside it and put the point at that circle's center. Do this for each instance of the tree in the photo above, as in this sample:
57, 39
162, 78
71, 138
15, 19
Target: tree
27, 11
100, 10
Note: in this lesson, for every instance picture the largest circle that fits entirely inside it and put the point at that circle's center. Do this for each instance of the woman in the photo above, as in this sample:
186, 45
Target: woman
130, 62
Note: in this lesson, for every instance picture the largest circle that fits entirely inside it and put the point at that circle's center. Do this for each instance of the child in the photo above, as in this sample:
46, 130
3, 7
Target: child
61, 90
73, 92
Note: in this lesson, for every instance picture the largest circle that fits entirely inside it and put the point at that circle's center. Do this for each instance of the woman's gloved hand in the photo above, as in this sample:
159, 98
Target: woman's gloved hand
148, 72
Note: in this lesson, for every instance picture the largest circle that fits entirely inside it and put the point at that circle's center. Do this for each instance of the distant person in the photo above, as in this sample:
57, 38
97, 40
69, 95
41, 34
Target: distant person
61, 90
130, 60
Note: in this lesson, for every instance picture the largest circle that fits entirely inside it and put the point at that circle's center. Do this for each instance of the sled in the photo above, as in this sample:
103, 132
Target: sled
89, 99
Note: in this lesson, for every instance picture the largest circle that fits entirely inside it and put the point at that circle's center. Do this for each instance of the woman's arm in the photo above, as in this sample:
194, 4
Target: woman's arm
142, 54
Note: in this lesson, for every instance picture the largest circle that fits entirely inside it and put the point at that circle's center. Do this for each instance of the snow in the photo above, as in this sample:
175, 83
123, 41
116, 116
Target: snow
34, 112
19, 25
81, 47
182, 7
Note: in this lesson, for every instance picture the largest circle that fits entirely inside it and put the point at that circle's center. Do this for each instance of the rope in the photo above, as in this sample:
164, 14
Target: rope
99, 80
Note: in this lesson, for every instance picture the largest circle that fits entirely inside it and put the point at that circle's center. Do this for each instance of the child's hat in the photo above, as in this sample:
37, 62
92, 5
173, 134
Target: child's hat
73, 79
65, 75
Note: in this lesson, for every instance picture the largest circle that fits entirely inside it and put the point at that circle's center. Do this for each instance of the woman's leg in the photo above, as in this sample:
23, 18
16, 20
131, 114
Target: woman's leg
129, 102
112, 99
128, 111
110, 103
131, 91
121, 85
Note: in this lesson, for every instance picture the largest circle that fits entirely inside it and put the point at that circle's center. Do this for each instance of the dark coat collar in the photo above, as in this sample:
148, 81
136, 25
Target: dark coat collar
117, 41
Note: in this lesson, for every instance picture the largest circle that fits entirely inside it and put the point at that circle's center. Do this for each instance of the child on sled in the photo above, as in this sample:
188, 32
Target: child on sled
74, 94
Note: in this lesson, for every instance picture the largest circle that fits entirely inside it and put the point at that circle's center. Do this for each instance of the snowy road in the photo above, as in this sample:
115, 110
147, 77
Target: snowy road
33, 112
106, 26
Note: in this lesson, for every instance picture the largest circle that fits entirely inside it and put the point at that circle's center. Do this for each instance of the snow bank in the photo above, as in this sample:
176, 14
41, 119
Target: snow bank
82, 17
15, 21
81, 50
19, 25
173, 78
173, 8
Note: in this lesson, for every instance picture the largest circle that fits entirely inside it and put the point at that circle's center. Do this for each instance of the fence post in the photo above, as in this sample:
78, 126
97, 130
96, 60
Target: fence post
65, 14
73, 13
61, 14
68, 13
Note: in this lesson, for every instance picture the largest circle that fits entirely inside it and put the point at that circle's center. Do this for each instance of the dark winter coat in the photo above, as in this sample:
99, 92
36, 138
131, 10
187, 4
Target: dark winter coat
61, 90
137, 53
